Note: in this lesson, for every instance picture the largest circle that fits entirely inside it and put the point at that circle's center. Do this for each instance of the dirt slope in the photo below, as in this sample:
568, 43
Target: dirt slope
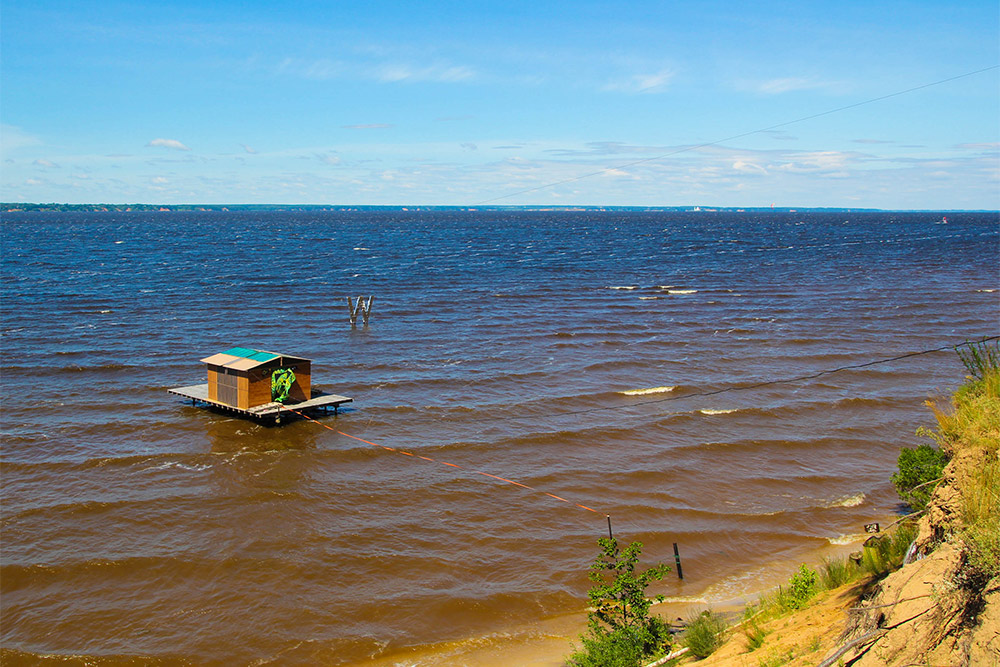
933, 611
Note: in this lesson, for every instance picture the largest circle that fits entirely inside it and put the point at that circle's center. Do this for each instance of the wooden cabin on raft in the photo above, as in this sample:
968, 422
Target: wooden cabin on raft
259, 384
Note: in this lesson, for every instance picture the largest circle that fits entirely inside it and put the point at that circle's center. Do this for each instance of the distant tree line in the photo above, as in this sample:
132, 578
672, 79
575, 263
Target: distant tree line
8, 207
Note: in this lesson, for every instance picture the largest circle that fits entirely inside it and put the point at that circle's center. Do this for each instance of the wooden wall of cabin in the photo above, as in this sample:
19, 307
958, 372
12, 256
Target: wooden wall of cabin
213, 384
224, 387
259, 391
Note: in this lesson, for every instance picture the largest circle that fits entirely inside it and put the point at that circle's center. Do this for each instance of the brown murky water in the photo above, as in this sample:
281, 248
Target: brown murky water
568, 352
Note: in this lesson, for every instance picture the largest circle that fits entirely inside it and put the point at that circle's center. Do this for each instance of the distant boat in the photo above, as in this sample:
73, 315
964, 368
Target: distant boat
944, 220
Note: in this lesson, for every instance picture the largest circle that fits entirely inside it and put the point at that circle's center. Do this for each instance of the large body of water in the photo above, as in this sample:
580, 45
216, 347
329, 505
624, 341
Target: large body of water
553, 349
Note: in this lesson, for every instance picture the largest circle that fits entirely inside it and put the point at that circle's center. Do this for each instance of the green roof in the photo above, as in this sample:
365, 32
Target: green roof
247, 353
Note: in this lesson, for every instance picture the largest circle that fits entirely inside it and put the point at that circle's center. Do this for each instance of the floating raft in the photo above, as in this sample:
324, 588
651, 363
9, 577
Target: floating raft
320, 400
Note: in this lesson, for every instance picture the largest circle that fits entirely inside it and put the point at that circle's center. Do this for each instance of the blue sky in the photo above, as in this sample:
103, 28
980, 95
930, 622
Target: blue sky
466, 102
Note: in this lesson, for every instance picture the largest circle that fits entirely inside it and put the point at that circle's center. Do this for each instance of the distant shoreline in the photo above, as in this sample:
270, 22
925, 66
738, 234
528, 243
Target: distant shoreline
24, 207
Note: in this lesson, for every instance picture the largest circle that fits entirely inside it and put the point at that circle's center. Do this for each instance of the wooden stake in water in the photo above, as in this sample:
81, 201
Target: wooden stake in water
610, 536
677, 559
362, 307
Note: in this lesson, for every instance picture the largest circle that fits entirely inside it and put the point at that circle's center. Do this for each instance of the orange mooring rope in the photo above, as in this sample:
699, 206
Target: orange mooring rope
452, 465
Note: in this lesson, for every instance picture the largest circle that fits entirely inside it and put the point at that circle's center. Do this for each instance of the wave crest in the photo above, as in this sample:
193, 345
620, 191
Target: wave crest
645, 392
848, 501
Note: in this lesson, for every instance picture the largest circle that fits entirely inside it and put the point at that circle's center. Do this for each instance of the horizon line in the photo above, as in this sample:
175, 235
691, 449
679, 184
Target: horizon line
15, 207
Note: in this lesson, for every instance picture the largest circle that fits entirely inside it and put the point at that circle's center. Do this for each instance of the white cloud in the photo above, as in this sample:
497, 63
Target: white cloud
789, 84
158, 180
48, 164
248, 149
391, 73
984, 146
324, 69
748, 167
652, 82
320, 69
327, 158
168, 143
818, 162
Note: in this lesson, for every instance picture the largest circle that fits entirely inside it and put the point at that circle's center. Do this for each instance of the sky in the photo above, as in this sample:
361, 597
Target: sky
510, 103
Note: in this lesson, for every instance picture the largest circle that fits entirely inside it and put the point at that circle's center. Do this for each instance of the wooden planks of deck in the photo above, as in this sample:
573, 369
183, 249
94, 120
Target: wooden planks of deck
320, 400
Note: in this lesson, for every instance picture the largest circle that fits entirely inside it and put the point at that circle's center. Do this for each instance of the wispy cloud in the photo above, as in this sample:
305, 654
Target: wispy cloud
248, 149
780, 135
651, 82
984, 146
382, 71
48, 164
328, 158
745, 167
788, 84
437, 73
168, 143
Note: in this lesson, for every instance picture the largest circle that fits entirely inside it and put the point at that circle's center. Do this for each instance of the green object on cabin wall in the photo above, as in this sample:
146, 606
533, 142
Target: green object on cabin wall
282, 380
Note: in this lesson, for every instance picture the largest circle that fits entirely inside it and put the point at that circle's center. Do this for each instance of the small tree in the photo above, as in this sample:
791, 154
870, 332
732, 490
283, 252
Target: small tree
619, 598
621, 629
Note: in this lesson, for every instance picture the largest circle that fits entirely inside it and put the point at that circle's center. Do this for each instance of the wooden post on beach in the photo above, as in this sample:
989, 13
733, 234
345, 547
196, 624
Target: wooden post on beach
677, 559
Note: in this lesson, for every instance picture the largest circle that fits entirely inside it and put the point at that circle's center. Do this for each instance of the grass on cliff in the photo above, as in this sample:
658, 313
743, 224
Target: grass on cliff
971, 423
974, 422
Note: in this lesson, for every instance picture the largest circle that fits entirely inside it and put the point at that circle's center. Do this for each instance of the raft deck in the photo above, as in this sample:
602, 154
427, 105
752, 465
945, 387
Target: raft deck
320, 400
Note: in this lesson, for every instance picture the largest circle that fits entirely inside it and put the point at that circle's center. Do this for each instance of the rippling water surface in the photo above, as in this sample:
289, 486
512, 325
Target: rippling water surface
570, 352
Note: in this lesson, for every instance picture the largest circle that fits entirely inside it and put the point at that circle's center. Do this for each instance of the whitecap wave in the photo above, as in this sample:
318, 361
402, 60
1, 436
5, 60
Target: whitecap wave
644, 392
853, 538
648, 298
625, 287
682, 600
988, 291
716, 412
682, 291
848, 501
197, 467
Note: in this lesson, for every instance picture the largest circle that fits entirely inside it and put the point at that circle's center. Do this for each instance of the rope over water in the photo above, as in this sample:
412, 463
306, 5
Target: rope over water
659, 400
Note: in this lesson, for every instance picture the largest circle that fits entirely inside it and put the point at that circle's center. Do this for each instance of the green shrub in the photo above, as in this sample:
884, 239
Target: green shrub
917, 469
704, 634
623, 647
802, 586
621, 630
